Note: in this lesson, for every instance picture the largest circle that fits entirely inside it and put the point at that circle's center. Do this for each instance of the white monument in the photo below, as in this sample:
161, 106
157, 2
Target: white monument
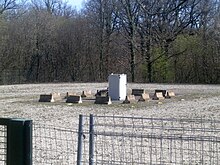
117, 86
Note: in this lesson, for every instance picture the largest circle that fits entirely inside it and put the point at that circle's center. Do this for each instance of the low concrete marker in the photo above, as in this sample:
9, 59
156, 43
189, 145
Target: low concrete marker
86, 94
137, 92
131, 98
74, 99
56, 96
83, 94
126, 101
103, 100
70, 94
144, 97
161, 91
103, 93
50, 97
141, 99
46, 98
158, 96
169, 95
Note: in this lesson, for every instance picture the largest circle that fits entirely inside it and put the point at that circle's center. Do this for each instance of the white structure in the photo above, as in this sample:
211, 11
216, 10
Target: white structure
117, 86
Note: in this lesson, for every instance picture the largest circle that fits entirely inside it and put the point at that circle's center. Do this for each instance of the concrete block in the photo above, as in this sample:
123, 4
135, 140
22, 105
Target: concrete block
70, 94
86, 94
171, 94
46, 98
158, 96
146, 96
126, 101
131, 98
103, 93
56, 96
103, 100
161, 91
137, 92
74, 99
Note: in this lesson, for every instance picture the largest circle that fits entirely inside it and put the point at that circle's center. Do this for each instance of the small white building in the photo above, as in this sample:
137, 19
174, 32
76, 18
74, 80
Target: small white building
117, 86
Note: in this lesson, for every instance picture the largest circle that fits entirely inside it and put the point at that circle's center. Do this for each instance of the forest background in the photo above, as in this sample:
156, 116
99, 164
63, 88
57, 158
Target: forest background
152, 41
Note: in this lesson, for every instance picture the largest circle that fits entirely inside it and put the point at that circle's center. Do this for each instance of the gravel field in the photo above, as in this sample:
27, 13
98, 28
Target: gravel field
55, 124
191, 101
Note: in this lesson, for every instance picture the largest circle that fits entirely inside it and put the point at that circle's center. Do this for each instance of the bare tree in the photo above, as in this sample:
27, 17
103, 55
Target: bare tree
7, 5
128, 12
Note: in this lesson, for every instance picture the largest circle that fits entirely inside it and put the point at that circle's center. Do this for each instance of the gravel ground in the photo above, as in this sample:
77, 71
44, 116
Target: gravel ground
191, 101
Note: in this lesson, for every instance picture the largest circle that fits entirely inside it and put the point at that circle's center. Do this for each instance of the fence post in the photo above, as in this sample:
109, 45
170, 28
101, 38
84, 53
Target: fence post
80, 140
19, 142
91, 139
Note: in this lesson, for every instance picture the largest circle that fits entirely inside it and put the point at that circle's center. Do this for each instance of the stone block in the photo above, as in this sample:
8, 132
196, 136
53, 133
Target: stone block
56, 96
70, 94
137, 92
126, 101
170, 94
144, 97
103, 100
158, 96
131, 98
103, 93
86, 94
161, 91
46, 98
74, 99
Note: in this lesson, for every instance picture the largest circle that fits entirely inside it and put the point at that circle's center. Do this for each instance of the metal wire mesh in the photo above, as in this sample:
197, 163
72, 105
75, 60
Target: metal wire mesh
54, 145
130, 140
3, 144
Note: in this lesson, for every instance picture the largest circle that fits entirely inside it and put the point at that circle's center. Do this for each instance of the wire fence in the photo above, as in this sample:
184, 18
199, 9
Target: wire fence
116, 140
54, 145
131, 140
3, 144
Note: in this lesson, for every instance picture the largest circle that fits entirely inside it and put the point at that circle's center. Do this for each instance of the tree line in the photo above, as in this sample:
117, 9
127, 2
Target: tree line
164, 41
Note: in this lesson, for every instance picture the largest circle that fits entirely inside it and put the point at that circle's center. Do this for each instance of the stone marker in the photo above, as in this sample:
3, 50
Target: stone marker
131, 98
161, 91
74, 99
158, 96
56, 96
83, 94
103, 100
86, 94
141, 99
137, 92
46, 98
146, 96
50, 97
103, 92
126, 101
70, 94
171, 94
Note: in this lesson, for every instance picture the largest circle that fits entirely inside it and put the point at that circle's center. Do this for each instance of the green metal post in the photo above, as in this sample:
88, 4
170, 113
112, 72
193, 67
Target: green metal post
19, 142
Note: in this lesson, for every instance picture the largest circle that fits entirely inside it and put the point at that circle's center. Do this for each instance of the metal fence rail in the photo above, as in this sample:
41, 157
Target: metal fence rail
130, 140
54, 145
